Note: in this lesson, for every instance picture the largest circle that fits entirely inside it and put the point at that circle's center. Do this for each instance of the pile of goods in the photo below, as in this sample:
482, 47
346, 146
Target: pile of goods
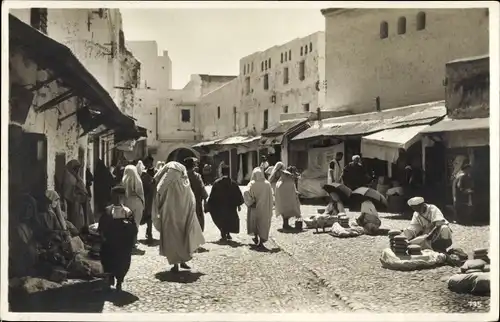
481, 253
414, 250
344, 221
343, 232
320, 221
399, 245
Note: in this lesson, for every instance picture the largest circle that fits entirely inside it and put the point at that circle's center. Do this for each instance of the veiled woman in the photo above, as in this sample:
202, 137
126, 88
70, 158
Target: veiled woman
287, 200
134, 192
259, 200
103, 183
174, 216
276, 174
75, 194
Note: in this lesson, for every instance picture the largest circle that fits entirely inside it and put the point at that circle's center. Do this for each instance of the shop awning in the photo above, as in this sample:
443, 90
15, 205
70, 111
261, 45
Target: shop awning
238, 140
275, 134
452, 125
341, 129
206, 144
50, 54
385, 145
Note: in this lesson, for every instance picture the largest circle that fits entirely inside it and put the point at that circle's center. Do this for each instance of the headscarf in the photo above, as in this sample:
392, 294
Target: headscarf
73, 187
132, 182
140, 167
278, 168
257, 175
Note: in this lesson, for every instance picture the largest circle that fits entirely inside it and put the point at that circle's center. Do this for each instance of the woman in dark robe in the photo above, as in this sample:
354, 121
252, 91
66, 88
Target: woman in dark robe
149, 190
224, 203
118, 231
103, 182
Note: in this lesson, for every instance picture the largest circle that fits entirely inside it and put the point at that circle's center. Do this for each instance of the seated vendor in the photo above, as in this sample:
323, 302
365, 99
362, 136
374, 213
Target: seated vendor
428, 227
335, 206
369, 219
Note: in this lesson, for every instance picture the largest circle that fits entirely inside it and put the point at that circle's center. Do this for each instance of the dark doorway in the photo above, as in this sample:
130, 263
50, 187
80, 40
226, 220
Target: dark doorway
180, 154
481, 176
59, 171
435, 173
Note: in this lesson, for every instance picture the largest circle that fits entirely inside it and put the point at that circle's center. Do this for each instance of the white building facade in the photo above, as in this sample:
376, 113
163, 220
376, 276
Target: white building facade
397, 55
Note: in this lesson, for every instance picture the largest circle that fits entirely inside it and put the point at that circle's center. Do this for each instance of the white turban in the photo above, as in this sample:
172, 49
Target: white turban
415, 201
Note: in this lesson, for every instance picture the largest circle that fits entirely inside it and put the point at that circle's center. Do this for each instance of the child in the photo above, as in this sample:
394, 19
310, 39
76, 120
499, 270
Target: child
118, 230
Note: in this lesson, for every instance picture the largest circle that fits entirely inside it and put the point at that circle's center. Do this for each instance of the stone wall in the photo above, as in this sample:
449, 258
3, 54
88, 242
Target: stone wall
468, 88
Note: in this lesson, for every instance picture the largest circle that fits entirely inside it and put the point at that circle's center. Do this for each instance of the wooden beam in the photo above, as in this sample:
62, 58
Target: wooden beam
41, 84
55, 101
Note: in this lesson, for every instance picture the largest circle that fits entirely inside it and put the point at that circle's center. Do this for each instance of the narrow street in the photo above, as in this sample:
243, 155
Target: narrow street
302, 272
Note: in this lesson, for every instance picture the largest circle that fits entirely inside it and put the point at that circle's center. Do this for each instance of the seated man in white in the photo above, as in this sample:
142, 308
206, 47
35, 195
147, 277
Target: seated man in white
428, 227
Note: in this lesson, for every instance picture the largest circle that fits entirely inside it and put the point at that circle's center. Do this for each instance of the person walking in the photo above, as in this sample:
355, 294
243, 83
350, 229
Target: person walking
335, 170
258, 198
147, 176
174, 216
198, 188
224, 203
287, 199
134, 193
354, 175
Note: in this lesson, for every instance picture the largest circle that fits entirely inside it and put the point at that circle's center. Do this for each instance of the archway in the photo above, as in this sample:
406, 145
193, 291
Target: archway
180, 154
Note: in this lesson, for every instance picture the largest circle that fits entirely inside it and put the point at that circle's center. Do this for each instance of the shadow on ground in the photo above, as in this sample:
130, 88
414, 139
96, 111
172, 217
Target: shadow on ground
154, 242
291, 231
265, 249
84, 297
230, 243
138, 252
184, 277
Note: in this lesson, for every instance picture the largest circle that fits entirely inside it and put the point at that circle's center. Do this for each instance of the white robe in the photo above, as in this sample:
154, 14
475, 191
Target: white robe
258, 197
174, 215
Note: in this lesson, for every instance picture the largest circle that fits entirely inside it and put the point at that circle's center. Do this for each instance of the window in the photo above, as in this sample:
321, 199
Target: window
285, 109
269, 63
185, 116
302, 70
244, 69
266, 82
38, 19
218, 112
310, 46
285, 75
234, 118
262, 66
301, 51
401, 25
286, 57
252, 67
384, 30
305, 49
266, 120
265, 65
306, 107
421, 21
246, 119
247, 85
282, 57
290, 55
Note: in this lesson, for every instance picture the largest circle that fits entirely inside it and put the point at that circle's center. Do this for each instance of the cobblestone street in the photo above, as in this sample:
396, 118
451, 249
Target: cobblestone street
301, 272
227, 278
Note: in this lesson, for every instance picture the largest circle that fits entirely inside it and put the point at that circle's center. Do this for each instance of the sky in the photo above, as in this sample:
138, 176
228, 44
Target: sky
212, 41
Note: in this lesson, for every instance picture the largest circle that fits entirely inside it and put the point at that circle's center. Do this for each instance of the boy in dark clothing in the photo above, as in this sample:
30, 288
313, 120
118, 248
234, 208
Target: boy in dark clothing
118, 231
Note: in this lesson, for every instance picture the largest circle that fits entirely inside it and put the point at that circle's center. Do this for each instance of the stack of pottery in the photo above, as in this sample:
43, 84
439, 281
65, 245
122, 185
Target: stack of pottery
414, 250
393, 233
399, 245
344, 221
481, 253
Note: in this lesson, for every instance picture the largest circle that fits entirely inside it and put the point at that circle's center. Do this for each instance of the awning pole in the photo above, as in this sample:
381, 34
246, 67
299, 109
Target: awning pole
41, 84
55, 101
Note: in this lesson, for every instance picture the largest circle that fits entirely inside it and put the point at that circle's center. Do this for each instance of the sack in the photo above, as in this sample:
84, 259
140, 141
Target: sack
473, 264
473, 283
428, 259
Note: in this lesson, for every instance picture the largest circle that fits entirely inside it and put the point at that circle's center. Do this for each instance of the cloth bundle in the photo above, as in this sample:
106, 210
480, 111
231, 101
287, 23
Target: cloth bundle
428, 259
320, 221
473, 278
341, 232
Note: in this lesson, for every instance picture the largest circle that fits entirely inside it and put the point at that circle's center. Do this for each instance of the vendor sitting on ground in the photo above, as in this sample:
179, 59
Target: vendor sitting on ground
336, 206
428, 227
369, 219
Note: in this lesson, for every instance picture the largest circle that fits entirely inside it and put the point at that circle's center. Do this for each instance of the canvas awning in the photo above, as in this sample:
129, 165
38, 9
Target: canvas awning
385, 145
238, 140
275, 134
205, 144
341, 129
452, 125
50, 54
